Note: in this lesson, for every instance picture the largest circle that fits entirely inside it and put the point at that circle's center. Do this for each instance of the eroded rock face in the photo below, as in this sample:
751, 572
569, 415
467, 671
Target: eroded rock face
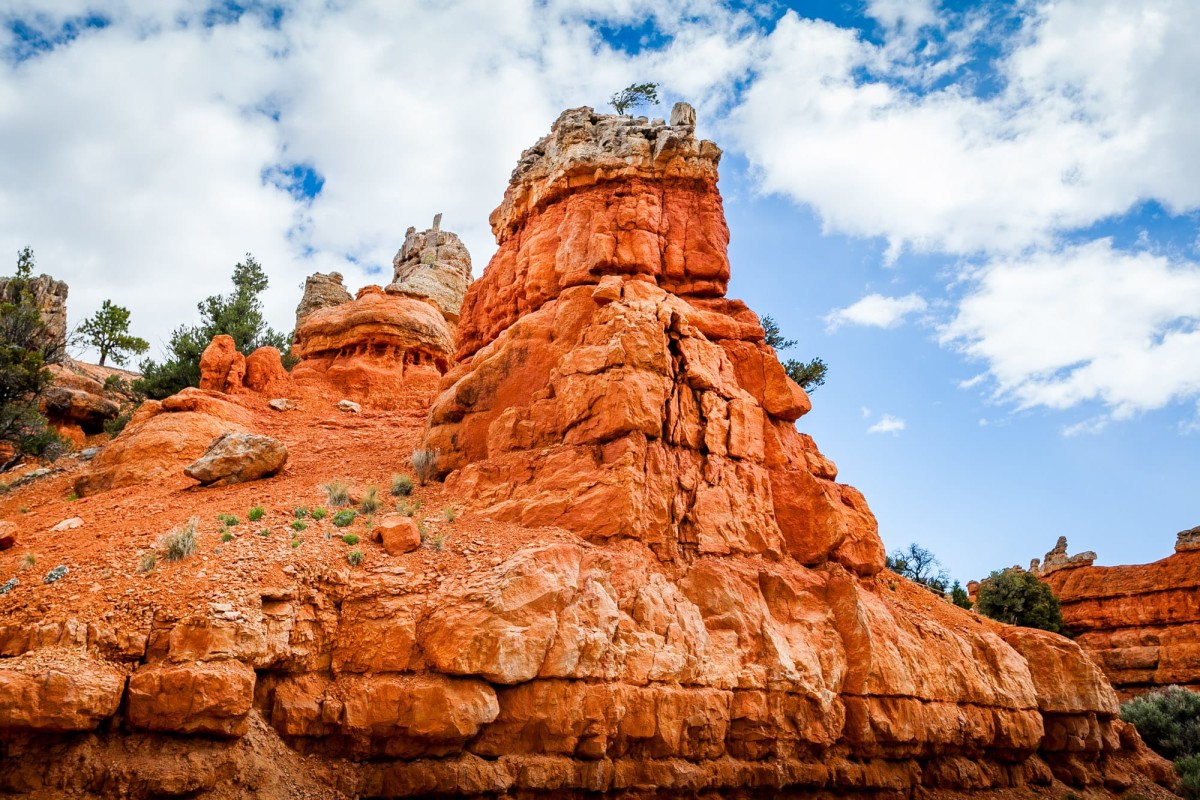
381, 350
321, 291
618, 393
433, 265
1140, 623
50, 297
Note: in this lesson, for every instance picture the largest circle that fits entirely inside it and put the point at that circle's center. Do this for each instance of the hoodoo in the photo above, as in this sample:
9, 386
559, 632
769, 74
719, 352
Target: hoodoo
643, 580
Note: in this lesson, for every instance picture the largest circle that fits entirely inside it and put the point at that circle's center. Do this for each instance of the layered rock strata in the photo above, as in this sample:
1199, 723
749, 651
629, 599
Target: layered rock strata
1140, 623
384, 351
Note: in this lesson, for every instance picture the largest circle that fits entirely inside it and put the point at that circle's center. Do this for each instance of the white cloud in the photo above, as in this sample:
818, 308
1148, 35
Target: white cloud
1085, 323
887, 424
1088, 123
876, 311
135, 154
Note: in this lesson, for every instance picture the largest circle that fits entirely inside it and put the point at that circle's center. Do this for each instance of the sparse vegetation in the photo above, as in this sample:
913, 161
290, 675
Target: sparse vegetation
406, 508
920, 565
265, 532
959, 596
1016, 597
425, 464
229, 520
180, 542
107, 331
296, 543
354, 558
437, 542
238, 314
149, 562
300, 512
810, 374
28, 561
72, 497
449, 513
633, 96
370, 502
255, 514
318, 514
344, 517
337, 493
226, 536
402, 485
27, 347
1168, 720
350, 538
298, 525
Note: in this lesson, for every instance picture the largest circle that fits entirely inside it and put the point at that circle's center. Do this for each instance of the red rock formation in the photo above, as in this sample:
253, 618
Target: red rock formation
222, 367
383, 351
1140, 623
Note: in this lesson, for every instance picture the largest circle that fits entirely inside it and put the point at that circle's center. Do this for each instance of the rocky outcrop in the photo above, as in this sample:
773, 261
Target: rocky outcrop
381, 350
50, 297
1140, 623
160, 439
433, 265
321, 291
237, 458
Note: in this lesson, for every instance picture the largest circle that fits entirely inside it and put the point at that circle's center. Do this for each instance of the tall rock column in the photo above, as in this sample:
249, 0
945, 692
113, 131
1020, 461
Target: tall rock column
608, 386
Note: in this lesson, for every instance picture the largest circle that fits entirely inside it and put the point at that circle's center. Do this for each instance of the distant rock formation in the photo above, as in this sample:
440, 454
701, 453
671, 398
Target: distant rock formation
1058, 559
51, 299
433, 265
1140, 623
321, 291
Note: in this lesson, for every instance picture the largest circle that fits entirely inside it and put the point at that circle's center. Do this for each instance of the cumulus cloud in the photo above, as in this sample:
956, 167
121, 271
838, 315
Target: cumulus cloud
152, 145
1085, 323
887, 424
877, 311
1086, 123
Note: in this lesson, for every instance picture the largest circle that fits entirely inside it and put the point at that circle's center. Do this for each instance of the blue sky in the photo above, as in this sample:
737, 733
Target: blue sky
983, 216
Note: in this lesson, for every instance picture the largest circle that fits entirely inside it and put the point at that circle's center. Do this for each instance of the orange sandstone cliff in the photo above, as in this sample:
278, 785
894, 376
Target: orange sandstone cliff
642, 581
1140, 623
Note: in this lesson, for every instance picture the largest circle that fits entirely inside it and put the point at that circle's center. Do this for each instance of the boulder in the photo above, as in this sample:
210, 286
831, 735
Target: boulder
211, 698
281, 404
237, 458
69, 524
56, 691
398, 534
349, 406
8, 534
265, 373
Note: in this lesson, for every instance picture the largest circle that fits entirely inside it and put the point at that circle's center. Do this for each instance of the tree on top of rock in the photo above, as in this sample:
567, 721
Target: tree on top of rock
26, 347
810, 374
238, 314
107, 331
634, 95
918, 564
1017, 597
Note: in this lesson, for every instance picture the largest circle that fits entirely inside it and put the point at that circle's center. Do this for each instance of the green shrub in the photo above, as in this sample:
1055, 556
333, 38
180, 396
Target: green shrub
228, 519
370, 502
318, 514
180, 542
344, 517
148, 563
72, 497
300, 512
449, 513
298, 525
1189, 777
337, 492
256, 514
296, 543
350, 538
226, 536
402, 485
1017, 597
959, 596
354, 558
425, 464
265, 532
1168, 720
117, 424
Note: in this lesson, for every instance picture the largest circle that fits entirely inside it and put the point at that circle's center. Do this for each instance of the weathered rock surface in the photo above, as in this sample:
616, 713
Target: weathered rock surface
237, 458
50, 297
1140, 623
380, 350
321, 291
160, 440
657, 587
433, 265
8, 534
57, 692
